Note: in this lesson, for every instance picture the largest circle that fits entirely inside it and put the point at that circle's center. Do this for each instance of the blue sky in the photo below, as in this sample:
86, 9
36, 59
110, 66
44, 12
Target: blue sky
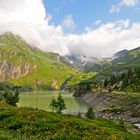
86, 12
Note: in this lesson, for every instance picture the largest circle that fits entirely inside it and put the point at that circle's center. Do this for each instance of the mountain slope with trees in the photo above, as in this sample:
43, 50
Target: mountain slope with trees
122, 73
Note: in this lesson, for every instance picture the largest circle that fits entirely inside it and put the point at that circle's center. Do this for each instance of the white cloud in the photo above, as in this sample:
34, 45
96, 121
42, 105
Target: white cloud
107, 39
128, 3
69, 22
28, 19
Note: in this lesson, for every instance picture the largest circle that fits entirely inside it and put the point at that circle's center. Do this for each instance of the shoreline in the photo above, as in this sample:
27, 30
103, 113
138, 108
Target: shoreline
126, 105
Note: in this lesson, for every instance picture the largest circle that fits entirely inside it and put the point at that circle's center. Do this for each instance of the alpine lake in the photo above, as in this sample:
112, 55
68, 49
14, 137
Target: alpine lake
41, 100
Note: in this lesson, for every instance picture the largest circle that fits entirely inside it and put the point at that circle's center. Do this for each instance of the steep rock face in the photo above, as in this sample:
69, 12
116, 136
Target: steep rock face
13, 72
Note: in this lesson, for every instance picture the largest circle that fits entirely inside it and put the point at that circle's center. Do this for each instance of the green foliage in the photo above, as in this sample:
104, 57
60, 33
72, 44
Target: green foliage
90, 114
58, 105
80, 76
14, 123
11, 97
9, 93
82, 88
28, 123
53, 104
125, 81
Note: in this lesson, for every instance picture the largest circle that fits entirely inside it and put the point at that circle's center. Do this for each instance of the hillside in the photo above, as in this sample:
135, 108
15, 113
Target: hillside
121, 73
27, 66
121, 62
28, 123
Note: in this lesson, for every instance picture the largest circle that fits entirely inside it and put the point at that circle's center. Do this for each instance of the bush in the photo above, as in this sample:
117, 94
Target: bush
4, 114
9, 96
14, 123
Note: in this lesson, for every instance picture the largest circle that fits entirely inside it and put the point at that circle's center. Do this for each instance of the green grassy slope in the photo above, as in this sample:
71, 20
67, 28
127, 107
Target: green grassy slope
27, 123
77, 78
48, 71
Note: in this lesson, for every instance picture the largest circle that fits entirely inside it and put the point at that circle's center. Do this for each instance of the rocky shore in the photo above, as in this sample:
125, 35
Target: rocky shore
115, 105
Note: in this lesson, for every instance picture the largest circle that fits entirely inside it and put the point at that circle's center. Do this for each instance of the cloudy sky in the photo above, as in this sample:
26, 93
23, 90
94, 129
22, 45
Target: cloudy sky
96, 28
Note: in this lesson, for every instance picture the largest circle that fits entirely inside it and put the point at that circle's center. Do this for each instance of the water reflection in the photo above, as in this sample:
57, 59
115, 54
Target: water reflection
42, 101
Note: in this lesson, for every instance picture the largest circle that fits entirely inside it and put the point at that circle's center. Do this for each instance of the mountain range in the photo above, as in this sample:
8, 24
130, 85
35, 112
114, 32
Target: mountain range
28, 66
79, 61
120, 60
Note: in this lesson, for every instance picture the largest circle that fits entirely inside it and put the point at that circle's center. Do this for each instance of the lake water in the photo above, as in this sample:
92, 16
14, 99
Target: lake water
41, 100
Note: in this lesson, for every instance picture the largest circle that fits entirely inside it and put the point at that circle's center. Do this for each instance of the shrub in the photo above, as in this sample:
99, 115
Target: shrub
14, 123
4, 114
9, 94
11, 97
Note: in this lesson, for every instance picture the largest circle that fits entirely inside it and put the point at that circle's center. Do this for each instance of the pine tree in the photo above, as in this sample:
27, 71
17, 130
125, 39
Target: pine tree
58, 105
53, 104
90, 114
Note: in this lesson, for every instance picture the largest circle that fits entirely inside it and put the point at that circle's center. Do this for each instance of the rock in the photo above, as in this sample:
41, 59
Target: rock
13, 72
101, 103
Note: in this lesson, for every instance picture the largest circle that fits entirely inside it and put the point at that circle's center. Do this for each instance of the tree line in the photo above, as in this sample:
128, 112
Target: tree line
125, 81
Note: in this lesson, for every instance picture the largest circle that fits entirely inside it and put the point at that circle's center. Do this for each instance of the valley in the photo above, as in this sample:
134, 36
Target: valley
69, 70
108, 85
